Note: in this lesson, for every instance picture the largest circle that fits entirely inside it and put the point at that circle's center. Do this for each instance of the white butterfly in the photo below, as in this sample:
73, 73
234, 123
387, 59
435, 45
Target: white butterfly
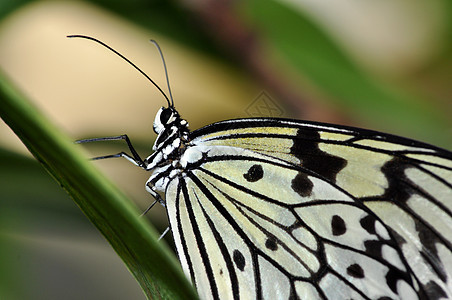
272, 208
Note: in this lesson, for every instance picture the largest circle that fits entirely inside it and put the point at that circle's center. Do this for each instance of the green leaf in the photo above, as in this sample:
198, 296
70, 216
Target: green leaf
150, 261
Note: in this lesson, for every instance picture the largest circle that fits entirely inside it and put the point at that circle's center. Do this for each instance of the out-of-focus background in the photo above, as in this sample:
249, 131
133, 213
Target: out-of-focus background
383, 65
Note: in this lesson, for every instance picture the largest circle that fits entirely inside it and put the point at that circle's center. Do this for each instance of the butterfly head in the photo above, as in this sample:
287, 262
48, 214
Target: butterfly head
169, 126
166, 118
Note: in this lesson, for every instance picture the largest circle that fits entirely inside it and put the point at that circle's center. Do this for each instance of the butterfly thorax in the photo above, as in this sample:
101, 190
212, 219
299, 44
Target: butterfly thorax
171, 143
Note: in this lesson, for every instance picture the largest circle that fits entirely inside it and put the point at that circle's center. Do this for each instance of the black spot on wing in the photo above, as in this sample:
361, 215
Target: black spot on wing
356, 271
393, 276
373, 248
254, 173
270, 243
302, 185
306, 148
368, 224
239, 259
338, 226
399, 187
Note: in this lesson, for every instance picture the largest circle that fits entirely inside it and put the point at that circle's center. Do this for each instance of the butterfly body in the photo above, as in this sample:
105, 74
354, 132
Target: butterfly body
283, 209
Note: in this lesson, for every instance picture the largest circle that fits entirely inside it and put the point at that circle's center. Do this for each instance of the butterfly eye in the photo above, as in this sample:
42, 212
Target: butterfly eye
165, 115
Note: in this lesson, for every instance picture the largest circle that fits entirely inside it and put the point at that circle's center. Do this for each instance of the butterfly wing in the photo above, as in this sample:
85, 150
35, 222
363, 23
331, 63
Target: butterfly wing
278, 209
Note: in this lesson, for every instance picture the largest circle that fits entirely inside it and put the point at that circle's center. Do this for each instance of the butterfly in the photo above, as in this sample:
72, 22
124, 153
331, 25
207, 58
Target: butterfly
271, 208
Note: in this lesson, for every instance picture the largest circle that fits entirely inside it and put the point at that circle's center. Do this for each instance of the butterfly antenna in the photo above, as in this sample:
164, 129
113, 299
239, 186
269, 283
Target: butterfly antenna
127, 60
166, 71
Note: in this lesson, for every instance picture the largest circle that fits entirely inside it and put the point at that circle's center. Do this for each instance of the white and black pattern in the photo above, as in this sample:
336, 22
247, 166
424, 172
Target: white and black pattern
284, 209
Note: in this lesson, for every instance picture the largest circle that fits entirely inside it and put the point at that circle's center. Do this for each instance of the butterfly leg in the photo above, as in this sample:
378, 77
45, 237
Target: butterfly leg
151, 189
134, 158
164, 233
149, 208
157, 182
